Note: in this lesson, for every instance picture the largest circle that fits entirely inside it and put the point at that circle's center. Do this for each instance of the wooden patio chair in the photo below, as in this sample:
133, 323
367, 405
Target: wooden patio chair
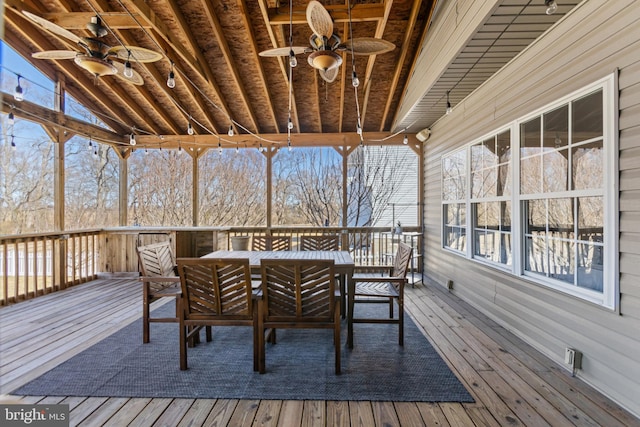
271, 243
298, 294
320, 243
215, 292
381, 289
159, 278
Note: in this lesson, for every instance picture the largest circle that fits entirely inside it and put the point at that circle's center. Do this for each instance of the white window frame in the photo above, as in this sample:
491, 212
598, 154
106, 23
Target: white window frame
609, 297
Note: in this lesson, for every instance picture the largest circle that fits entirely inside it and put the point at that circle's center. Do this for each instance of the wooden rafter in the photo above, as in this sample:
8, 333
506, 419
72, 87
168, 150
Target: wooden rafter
197, 64
230, 61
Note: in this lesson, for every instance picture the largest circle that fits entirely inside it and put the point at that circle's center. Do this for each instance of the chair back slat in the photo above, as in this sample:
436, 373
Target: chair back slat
298, 290
216, 287
271, 243
320, 243
402, 259
157, 260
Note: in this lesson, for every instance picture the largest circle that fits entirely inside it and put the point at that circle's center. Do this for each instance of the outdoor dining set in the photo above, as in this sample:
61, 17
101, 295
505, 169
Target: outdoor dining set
268, 288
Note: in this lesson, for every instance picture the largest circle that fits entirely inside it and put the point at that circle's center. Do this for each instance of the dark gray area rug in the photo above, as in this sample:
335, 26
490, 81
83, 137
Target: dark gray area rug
299, 367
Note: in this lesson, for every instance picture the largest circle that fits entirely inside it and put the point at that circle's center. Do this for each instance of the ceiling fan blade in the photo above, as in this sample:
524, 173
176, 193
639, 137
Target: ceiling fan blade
55, 54
329, 75
367, 46
283, 51
51, 27
136, 79
319, 19
138, 54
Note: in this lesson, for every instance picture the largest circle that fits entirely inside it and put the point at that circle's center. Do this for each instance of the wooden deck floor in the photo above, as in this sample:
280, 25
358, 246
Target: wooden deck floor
513, 385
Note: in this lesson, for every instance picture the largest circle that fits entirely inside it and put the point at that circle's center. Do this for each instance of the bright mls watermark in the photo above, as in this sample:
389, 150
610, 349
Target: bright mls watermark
34, 415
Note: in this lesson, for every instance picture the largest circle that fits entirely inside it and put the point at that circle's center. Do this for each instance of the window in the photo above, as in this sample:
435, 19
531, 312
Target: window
558, 227
490, 198
453, 195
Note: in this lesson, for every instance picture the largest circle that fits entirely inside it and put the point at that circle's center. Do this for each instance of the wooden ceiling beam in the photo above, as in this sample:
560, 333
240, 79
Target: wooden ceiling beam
79, 20
242, 4
411, 24
49, 118
142, 90
212, 18
339, 13
382, 24
197, 63
273, 140
282, 62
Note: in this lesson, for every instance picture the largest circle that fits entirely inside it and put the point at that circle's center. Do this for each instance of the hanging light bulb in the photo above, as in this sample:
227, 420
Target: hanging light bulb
552, 6
358, 127
132, 139
237, 150
90, 144
128, 71
230, 132
449, 109
290, 123
13, 143
95, 152
190, 130
179, 147
355, 81
11, 118
18, 95
293, 61
405, 140
219, 145
289, 144
171, 80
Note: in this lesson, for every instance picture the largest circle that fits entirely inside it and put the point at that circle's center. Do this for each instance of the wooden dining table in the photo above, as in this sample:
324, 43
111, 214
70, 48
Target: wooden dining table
344, 264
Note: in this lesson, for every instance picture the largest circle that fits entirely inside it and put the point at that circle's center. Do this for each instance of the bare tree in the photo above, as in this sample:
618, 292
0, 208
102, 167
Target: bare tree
232, 188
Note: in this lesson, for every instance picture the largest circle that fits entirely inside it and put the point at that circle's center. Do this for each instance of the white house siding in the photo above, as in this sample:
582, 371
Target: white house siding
591, 42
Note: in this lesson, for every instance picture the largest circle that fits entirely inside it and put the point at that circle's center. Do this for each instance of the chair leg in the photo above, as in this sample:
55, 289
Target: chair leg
145, 314
261, 355
336, 338
390, 307
209, 334
183, 347
401, 320
350, 303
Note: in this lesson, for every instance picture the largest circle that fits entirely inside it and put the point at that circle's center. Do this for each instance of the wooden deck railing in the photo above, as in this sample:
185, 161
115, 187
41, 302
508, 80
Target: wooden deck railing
36, 264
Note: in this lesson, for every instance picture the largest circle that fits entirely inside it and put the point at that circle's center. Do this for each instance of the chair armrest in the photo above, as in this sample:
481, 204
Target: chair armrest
368, 269
379, 279
163, 279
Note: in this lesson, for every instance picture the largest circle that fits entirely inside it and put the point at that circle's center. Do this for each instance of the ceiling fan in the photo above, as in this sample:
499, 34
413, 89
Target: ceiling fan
97, 57
325, 43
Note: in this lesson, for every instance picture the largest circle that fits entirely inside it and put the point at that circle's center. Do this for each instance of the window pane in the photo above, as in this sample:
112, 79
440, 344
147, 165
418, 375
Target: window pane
530, 137
556, 128
489, 157
455, 238
535, 258
493, 215
454, 214
556, 165
490, 180
590, 266
590, 219
483, 246
561, 218
504, 180
587, 117
504, 146
587, 166
480, 211
561, 260
536, 216
505, 216
477, 157
477, 186
530, 175
506, 254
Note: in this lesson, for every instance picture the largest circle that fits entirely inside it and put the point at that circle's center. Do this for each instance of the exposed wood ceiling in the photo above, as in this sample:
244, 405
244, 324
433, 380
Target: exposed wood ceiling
221, 80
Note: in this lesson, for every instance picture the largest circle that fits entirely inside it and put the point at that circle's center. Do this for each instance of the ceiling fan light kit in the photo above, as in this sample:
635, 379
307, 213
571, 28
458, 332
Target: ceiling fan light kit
98, 58
324, 44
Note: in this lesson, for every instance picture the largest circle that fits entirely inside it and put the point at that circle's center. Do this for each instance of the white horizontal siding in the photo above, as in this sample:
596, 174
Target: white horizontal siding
591, 42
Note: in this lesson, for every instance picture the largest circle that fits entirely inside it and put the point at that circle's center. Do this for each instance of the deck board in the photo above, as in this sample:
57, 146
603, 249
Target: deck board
512, 383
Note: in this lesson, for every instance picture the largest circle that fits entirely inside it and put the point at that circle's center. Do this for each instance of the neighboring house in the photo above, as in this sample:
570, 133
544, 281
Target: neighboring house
532, 207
